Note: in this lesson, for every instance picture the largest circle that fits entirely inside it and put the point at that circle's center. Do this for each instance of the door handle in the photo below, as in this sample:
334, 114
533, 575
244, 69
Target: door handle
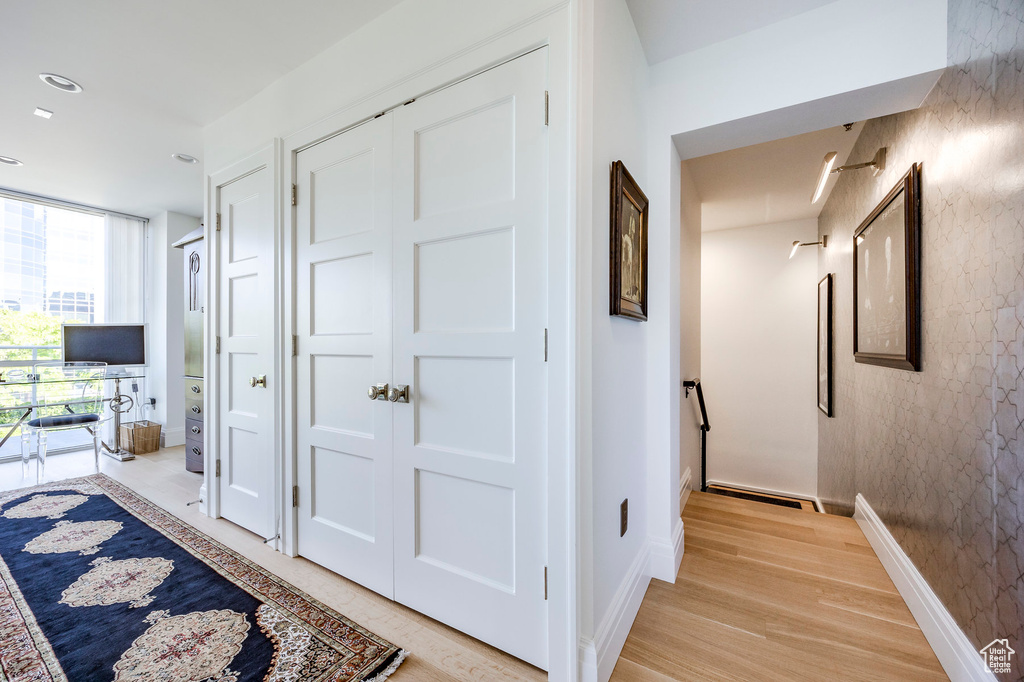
260, 381
378, 392
399, 394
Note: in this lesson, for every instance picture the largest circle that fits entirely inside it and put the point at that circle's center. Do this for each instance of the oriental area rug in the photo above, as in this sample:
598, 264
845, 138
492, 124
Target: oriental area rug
97, 583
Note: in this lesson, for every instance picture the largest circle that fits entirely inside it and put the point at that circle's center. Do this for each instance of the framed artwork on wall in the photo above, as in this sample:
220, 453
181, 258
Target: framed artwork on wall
825, 345
628, 254
886, 291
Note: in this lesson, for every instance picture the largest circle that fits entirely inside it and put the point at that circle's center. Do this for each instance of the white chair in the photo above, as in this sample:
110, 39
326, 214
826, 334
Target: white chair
69, 395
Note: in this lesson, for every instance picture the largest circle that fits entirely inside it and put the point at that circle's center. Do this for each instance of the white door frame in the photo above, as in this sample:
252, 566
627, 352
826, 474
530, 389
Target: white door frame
550, 29
268, 158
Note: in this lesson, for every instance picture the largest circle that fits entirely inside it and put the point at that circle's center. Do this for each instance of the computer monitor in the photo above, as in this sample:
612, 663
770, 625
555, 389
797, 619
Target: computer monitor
118, 345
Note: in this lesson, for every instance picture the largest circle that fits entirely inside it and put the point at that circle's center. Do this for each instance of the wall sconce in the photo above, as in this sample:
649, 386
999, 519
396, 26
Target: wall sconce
878, 163
797, 244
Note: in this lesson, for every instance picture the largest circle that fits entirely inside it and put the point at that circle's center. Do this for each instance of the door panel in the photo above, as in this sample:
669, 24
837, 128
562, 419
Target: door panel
246, 276
470, 312
343, 304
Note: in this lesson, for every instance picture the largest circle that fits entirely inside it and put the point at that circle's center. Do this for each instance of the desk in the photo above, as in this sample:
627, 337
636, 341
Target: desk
18, 394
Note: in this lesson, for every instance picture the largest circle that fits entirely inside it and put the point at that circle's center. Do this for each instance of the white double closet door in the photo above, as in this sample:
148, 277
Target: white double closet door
421, 261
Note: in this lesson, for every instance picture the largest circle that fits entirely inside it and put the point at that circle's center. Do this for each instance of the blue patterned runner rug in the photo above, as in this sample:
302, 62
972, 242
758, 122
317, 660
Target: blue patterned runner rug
97, 583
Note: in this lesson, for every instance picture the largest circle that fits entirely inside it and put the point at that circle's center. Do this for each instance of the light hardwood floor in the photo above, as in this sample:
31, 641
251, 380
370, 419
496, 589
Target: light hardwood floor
437, 652
763, 593
769, 593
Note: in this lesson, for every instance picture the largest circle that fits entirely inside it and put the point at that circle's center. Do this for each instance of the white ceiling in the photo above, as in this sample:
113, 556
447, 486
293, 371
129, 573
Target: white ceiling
669, 28
770, 182
154, 73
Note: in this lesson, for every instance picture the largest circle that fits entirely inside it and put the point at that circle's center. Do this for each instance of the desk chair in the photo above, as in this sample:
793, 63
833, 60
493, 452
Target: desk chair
69, 396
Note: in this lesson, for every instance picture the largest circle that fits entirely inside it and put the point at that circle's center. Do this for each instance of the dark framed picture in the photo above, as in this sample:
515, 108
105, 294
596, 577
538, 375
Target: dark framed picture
886, 291
628, 246
825, 345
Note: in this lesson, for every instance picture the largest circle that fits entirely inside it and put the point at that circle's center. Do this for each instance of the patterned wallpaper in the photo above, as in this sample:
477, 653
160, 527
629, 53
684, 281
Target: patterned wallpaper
939, 454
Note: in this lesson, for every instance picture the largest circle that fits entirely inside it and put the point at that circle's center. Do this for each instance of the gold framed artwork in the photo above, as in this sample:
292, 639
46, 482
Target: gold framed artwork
628, 253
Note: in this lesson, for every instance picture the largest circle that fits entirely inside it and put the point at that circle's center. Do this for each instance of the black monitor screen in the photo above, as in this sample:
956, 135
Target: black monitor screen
118, 345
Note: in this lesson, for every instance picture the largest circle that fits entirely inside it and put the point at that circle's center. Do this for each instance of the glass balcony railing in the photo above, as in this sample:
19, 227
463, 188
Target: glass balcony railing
15, 359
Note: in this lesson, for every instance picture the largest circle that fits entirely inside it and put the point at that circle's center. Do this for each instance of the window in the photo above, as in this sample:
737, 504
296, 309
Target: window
60, 264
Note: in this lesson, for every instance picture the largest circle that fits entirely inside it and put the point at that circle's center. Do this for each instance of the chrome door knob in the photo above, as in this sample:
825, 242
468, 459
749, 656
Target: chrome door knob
399, 394
378, 392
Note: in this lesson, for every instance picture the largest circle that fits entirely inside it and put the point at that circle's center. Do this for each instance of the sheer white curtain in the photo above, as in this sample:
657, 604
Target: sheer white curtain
124, 271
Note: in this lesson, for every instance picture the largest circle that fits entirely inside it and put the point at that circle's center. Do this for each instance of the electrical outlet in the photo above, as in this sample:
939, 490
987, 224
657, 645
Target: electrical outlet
623, 517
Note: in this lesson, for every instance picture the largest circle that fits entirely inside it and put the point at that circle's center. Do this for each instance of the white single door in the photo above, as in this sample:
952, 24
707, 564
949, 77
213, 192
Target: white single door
245, 327
343, 304
470, 316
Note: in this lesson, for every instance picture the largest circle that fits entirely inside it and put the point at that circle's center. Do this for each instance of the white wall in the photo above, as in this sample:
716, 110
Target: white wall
689, 324
808, 57
406, 41
759, 356
165, 310
618, 400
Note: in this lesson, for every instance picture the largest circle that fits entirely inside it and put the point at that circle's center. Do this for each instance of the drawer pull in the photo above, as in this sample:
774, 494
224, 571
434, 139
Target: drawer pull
196, 409
196, 451
195, 388
195, 429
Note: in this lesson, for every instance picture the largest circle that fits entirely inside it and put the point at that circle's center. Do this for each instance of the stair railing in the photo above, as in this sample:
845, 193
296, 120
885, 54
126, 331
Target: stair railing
705, 426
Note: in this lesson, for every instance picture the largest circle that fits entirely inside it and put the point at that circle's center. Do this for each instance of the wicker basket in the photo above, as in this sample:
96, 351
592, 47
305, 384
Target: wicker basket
140, 437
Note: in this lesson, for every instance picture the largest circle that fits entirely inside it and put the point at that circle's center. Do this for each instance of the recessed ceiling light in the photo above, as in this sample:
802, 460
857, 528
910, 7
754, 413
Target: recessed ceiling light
43, 113
185, 158
10, 162
60, 82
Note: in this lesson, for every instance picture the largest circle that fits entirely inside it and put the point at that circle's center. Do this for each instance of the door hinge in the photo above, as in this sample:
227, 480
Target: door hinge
545, 583
295, 195
217, 346
295, 345
218, 222
295, 496
545, 107
545, 345
216, 469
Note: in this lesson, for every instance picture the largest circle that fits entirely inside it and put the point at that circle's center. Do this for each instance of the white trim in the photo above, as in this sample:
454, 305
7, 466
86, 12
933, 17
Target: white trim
821, 507
684, 488
666, 554
599, 656
170, 438
954, 650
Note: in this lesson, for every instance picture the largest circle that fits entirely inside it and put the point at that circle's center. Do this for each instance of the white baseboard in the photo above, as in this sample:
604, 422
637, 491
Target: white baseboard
684, 488
170, 438
599, 656
961, 661
666, 554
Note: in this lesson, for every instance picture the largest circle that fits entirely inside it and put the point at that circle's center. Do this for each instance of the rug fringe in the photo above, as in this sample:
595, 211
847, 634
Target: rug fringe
391, 668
